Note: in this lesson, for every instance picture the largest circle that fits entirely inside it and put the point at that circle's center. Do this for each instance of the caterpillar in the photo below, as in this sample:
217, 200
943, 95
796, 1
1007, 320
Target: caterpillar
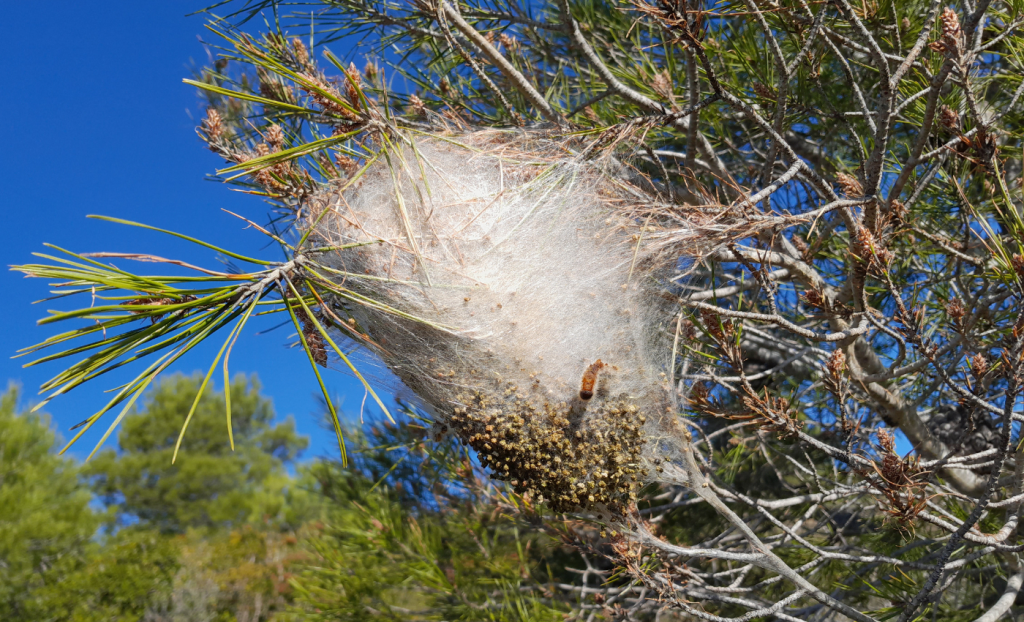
589, 378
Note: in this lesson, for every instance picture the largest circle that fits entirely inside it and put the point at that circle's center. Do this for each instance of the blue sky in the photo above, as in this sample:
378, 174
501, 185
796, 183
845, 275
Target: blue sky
97, 121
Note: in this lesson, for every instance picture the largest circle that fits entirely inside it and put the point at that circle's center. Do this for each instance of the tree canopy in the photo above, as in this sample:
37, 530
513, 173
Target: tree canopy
391, 536
209, 484
44, 511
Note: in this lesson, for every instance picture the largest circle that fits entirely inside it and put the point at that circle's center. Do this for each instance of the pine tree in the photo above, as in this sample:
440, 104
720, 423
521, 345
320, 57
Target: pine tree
845, 181
44, 510
209, 484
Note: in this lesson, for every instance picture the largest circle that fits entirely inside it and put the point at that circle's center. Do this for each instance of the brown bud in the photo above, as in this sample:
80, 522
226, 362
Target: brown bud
275, 137
887, 440
508, 42
850, 185
951, 33
417, 104
764, 92
345, 163
864, 244
835, 382
662, 85
326, 96
949, 118
800, 244
299, 50
714, 323
314, 340
370, 71
837, 363
816, 299
899, 210
213, 125
955, 309
1018, 264
979, 365
950, 24
355, 80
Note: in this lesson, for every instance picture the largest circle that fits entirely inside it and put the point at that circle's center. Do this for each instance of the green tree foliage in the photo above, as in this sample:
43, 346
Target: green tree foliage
410, 530
208, 485
415, 532
45, 519
228, 576
125, 578
226, 515
190, 555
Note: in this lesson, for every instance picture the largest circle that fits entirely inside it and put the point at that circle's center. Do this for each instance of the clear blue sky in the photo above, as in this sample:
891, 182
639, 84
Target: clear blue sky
96, 120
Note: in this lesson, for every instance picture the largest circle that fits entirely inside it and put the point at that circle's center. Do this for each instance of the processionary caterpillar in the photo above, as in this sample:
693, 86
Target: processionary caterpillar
589, 378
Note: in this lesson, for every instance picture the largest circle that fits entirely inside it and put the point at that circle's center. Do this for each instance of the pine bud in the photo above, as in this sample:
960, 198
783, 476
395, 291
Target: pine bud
955, 310
850, 185
417, 104
662, 85
951, 33
275, 137
949, 119
979, 365
299, 50
213, 125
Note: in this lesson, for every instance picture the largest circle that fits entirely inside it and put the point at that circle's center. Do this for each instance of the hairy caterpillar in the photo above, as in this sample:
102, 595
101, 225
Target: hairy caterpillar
589, 378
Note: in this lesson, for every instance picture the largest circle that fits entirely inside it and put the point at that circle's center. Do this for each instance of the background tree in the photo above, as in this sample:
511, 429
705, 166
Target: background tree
44, 512
124, 577
414, 531
854, 171
61, 560
224, 515
391, 536
209, 484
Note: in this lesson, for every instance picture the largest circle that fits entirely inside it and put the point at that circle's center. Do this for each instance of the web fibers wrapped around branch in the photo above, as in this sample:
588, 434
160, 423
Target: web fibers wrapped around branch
515, 296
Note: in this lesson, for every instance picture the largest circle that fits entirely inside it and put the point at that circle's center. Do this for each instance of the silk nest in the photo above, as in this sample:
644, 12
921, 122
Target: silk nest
510, 282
